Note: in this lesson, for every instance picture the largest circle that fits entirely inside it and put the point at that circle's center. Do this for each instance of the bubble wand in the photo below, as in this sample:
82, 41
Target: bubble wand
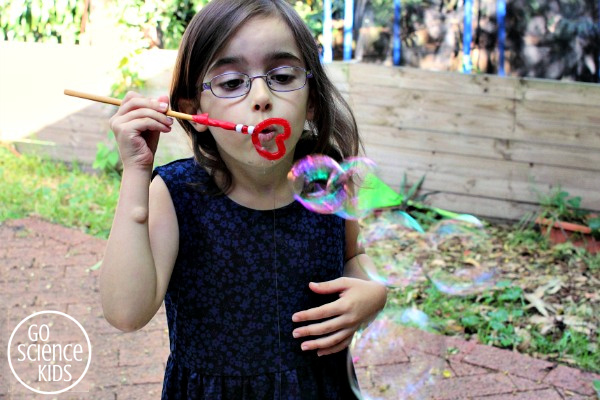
205, 120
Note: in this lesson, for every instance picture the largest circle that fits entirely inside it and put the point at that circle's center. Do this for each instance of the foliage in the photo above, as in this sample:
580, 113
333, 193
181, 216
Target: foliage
128, 78
559, 205
32, 185
157, 23
107, 157
57, 21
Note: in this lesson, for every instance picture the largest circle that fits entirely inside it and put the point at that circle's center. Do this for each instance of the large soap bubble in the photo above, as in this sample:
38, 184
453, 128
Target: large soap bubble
399, 356
396, 245
456, 265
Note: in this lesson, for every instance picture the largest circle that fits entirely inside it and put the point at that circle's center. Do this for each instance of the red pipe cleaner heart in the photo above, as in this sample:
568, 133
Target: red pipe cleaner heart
279, 139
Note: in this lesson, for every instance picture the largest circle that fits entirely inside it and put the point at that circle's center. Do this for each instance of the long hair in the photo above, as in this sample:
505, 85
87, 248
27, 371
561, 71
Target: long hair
333, 129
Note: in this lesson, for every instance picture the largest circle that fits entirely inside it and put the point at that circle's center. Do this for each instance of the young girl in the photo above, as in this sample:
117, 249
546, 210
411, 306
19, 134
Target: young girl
262, 295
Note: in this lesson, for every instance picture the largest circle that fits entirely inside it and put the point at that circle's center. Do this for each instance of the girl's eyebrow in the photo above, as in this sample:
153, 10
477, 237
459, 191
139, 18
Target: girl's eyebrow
226, 61
282, 55
273, 56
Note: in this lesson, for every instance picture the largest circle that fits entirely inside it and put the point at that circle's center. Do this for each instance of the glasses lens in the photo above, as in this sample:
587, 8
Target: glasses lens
286, 79
230, 85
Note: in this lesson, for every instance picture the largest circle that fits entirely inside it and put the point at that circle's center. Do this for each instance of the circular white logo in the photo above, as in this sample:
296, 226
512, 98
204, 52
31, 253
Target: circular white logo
51, 351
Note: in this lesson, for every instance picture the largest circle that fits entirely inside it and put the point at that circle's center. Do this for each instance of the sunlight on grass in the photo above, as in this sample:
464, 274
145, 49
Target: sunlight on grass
56, 192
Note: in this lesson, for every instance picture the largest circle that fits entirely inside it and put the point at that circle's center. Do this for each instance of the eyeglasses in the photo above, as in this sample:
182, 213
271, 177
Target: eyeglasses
237, 84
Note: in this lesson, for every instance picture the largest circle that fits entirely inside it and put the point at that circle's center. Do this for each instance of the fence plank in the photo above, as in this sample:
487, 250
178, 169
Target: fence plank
458, 143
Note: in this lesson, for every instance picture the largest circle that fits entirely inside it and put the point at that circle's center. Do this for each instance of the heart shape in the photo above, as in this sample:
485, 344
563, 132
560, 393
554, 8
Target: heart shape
279, 139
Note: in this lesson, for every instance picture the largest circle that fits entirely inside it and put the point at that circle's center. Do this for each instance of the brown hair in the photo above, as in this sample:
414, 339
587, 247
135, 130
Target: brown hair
333, 127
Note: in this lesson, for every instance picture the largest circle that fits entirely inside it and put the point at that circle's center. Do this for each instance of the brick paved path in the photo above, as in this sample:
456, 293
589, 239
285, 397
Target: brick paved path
44, 266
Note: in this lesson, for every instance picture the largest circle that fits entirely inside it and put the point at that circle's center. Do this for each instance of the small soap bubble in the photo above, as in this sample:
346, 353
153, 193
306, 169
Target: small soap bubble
396, 245
456, 265
399, 356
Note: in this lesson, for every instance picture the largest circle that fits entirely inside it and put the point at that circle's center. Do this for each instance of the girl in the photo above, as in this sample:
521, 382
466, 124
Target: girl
262, 296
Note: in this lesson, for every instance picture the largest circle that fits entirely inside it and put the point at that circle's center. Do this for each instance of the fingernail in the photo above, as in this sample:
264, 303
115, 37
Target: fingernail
163, 106
295, 334
170, 120
304, 347
315, 283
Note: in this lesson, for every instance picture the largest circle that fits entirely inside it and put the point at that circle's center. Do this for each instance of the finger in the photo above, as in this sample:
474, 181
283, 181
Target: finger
137, 102
145, 112
327, 341
325, 311
141, 120
329, 287
321, 328
335, 349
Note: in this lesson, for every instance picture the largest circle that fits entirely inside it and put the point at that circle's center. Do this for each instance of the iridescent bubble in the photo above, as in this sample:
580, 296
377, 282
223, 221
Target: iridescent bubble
399, 356
396, 245
457, 265
358, 180
309, 178
351, 189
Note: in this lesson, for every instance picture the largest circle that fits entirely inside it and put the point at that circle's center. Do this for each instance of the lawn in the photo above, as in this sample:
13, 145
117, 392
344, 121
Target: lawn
545, 301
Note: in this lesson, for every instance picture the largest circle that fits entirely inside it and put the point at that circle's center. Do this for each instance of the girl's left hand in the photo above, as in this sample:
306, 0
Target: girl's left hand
360, 301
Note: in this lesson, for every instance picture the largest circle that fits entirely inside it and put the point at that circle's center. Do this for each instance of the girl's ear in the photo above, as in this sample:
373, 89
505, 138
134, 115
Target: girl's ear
189, 106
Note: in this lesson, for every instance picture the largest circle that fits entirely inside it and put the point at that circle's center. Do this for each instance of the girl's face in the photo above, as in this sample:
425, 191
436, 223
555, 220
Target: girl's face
260, 45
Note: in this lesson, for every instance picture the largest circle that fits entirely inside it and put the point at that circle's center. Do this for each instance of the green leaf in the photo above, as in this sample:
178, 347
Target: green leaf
471, 320
500, 315
511, 294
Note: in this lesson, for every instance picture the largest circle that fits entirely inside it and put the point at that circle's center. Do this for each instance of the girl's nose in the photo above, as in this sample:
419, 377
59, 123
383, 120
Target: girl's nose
261, 95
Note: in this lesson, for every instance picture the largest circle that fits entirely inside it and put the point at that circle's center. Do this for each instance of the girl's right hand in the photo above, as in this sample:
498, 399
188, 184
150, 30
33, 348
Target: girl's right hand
137, 126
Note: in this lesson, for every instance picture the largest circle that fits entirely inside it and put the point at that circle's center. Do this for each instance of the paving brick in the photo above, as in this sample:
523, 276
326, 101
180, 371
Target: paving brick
544, 394
143, 391
509, 361
471, 386
527, 384
464, 369
573, 380
568, 395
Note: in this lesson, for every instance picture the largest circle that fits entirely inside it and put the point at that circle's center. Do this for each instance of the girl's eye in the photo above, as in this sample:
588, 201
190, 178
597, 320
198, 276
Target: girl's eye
283, 79
232, 83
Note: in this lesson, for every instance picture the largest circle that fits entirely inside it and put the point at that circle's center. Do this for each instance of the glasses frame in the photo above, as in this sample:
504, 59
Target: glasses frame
208, 85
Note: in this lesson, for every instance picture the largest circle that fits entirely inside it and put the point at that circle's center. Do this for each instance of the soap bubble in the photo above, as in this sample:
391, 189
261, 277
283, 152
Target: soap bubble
399, 356
351, 189
456, 265
396, 244
310, 180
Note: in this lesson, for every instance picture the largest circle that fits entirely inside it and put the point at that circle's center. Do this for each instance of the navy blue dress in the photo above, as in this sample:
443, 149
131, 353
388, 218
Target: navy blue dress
239, 276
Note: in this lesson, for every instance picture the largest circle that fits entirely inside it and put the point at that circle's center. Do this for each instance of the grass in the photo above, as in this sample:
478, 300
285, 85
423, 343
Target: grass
57, 192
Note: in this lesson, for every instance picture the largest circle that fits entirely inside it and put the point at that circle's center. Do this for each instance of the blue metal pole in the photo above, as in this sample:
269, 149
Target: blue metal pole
348, 22
327, 34
467, 65
396, 38
500, 15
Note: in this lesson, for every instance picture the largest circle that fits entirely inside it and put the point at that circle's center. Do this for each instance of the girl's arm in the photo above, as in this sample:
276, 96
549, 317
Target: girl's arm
359, 303
143, 241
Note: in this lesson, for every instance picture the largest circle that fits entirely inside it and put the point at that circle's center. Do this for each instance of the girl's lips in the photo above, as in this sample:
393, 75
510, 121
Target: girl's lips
267, 134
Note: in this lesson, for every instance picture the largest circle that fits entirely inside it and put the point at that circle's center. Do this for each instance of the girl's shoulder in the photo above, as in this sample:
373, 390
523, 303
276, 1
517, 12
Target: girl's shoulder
182, 171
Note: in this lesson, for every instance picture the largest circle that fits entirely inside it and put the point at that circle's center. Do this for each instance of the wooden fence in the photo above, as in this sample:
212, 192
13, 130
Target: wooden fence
487, 145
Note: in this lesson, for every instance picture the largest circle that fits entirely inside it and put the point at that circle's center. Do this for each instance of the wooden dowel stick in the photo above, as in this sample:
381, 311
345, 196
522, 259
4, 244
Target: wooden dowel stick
117, 102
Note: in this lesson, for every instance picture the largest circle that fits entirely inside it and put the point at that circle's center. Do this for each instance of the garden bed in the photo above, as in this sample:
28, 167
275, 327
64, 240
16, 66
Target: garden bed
546, 301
